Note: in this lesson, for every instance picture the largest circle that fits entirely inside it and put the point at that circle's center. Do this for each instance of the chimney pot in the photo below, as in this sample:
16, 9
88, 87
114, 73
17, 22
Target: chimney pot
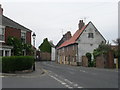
81, 24
1, 10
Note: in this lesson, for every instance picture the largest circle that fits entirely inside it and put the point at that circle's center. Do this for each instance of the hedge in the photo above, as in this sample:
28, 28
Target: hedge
17, 63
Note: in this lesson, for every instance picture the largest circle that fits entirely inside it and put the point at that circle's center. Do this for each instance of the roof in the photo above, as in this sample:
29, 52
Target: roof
65, 37
73, 39
10, 23
51, 43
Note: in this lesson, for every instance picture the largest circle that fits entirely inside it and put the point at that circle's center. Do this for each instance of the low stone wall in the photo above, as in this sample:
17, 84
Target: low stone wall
100, 62
84, 61
45, 56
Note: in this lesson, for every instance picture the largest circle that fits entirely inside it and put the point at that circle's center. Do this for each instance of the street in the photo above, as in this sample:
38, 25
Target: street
63, 76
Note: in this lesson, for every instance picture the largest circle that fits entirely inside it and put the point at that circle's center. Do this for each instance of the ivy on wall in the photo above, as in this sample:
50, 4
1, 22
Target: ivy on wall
45, 46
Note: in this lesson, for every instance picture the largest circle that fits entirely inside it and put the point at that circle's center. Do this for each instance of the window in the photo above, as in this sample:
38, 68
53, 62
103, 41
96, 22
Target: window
23, 36
90, 35
73, 47
6, 53
63, 49
67, 48
1, 52
2, 33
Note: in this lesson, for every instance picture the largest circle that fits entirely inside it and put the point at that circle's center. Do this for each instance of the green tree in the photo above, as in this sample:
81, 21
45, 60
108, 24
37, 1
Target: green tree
89, 56
45, 46
117, 52
102, 49
19, 46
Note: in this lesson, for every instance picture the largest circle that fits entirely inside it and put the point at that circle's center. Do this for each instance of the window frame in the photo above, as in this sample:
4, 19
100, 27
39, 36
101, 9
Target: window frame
23, 36
90, 35
3, 33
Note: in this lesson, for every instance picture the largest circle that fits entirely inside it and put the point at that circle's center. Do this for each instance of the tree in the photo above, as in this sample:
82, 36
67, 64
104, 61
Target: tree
45, 46
19, 46
102, 49
117, 52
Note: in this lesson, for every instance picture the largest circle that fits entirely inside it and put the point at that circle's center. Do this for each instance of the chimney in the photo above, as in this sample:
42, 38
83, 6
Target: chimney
67, 36
81, 24
1, 10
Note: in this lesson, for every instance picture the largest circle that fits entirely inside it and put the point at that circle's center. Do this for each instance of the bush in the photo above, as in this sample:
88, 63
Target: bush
17, 63
88, 55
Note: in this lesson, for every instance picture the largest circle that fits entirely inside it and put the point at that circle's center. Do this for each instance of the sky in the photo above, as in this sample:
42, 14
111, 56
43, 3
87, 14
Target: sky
53, 18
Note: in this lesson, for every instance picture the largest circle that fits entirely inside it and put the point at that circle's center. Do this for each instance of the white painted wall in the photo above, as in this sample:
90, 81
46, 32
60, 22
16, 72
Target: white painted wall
84, 43
53, 54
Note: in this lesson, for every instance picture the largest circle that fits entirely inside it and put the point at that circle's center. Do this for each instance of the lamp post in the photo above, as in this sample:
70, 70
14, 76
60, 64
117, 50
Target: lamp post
34, 36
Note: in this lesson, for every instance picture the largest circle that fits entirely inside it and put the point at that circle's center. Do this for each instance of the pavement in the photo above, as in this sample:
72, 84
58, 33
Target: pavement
38, 71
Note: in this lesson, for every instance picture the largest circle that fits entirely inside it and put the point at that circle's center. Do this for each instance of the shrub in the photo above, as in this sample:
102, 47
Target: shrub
17, 63
88, 55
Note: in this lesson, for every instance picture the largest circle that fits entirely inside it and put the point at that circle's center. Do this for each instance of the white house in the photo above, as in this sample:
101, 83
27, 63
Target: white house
89, 40
52, 51
86, 39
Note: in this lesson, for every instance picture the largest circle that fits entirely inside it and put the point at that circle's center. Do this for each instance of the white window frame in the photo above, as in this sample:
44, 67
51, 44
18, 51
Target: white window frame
24, 34
3, 28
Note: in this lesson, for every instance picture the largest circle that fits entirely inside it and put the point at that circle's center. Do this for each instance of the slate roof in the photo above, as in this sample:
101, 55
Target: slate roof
73, 39
10, 23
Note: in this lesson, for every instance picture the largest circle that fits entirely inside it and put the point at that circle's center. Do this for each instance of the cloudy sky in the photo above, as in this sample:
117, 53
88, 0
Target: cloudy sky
53, 18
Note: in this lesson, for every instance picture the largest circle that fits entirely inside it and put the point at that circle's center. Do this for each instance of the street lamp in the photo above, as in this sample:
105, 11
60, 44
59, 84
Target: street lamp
34, 36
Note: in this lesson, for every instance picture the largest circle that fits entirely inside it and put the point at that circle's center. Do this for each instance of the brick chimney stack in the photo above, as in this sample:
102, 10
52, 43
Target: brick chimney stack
1, 10
67, 36
81, 24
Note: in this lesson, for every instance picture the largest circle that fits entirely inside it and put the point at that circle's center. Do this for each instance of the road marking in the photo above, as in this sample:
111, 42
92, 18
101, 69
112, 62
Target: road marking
76, 85
68, 81
2, 76
79, 87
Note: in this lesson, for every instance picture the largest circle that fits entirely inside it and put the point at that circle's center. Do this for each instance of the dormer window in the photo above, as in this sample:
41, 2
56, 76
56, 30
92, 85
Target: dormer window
90, 35
2, 34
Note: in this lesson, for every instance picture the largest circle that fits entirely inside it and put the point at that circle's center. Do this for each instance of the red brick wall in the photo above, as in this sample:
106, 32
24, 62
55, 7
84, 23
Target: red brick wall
28, 37
100, 62
9, 31
45, 56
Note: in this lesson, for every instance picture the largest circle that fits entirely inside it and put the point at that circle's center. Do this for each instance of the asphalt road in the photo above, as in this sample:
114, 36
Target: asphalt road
63, 76
82, 77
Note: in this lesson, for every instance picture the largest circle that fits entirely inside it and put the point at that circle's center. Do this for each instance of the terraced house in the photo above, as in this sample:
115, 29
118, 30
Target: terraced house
86, 39
9, 28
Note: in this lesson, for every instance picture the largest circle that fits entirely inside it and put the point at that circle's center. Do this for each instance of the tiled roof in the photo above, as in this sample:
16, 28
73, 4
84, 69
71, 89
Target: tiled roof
10, 23
73, 39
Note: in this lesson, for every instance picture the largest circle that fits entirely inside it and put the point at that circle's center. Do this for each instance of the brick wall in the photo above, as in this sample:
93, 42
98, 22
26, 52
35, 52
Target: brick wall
100, 62
84, 61
45, 56
9, 31
28, 37
68, 55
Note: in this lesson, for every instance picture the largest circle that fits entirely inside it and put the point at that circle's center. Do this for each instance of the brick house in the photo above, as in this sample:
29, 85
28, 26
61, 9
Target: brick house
9, 28
86, 39
65, 37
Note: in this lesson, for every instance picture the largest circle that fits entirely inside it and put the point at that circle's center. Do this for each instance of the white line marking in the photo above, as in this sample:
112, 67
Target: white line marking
80, 87
68, 81
76, 85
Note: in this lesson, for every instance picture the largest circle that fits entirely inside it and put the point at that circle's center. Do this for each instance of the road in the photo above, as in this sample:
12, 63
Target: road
64, 76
